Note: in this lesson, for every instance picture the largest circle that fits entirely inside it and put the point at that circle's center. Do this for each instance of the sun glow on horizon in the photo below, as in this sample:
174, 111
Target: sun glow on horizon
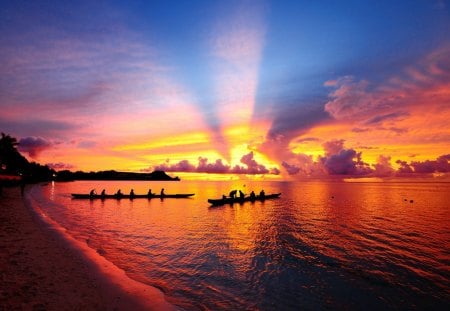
253, 88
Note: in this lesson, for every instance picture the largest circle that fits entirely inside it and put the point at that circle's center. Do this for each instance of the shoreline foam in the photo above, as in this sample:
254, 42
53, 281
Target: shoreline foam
47, 269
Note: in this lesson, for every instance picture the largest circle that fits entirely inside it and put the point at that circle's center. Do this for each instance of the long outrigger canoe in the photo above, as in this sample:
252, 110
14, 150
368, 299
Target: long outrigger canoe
223, 201
127, 196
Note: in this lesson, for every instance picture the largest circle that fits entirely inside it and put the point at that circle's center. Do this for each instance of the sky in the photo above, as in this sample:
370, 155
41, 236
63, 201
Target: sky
254, 89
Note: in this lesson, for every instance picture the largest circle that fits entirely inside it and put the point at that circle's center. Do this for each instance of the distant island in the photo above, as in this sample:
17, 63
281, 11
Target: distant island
113, 175
15, 168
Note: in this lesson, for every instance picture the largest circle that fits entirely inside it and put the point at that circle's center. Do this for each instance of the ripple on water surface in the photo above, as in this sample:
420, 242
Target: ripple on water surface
320, 245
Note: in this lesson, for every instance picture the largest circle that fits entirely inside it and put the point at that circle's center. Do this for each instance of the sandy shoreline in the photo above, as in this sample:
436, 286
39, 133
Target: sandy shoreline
41, 270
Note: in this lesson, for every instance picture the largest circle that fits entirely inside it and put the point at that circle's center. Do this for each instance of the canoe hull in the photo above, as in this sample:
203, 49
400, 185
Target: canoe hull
127, 196
217, 202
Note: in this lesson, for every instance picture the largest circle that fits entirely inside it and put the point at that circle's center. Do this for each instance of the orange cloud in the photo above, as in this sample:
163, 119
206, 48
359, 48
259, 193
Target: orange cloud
251, 167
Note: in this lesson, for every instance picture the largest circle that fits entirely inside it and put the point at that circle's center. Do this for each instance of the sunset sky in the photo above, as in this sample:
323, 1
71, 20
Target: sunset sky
280, 89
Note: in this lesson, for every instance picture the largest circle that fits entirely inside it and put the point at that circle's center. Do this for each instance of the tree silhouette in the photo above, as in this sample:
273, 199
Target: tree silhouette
12, 162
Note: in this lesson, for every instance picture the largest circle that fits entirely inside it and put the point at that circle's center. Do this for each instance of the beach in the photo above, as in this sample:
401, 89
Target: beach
41, 269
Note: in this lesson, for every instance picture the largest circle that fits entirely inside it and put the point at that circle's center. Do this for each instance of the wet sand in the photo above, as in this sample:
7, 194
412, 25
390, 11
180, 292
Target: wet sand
42, 270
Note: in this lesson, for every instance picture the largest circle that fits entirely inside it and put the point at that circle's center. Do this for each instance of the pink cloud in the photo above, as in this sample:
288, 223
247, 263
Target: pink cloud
404, 168
333, 147
383, 167
336, 161
34, 145
59, 166
348, 162
331, 83
440, 165
203, 166
216, 167
345, 162
426, 83
290, 168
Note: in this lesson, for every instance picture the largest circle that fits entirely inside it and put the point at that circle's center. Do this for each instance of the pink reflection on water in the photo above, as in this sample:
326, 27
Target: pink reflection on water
352, 243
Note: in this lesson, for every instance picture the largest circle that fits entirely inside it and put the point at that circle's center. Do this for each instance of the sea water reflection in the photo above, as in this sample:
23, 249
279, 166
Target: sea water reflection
321, 245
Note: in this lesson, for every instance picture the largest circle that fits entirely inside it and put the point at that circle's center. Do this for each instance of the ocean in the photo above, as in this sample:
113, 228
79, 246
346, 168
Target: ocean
321, 245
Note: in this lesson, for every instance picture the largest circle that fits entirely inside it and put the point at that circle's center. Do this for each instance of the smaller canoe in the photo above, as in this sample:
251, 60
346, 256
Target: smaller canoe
223, 201
127, 196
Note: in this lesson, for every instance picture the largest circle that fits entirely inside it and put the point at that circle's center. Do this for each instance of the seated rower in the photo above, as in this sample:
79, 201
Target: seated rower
233, 194
119, 193
149, 193
131, 194
162, 192
241, 194
252, 195
262, 194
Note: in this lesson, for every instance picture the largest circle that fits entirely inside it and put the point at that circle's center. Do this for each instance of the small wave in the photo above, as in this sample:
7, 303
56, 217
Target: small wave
112, 279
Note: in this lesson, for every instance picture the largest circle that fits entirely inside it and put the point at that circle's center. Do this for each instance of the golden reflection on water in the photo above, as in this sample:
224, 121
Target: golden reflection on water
321, 244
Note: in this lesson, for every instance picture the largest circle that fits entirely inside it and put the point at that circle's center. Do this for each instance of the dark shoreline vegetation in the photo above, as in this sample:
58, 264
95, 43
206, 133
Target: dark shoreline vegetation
16, 169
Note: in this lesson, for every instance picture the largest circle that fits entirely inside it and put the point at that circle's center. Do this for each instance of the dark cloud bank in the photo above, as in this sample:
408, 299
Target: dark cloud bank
34, 145
250, 167
338, 160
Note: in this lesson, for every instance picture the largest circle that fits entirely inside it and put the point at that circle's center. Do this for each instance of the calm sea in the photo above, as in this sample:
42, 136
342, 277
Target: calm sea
321, 245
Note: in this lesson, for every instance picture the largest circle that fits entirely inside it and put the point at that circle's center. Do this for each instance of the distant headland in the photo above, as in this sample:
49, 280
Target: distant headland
15, 168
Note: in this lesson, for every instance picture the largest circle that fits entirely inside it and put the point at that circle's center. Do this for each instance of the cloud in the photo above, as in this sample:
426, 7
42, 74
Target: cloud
349, 98
292, 121
440, 165
336, 161
425, 83
388, 116
376, 110
331, 83
394, 129
289, 123
291, 169
218, 167
333, 147
404, 167
86, 144
360, 130
59, 166
252, 166
182, 166
34, 145
45, 127
345, 162
307, 139
383, 167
